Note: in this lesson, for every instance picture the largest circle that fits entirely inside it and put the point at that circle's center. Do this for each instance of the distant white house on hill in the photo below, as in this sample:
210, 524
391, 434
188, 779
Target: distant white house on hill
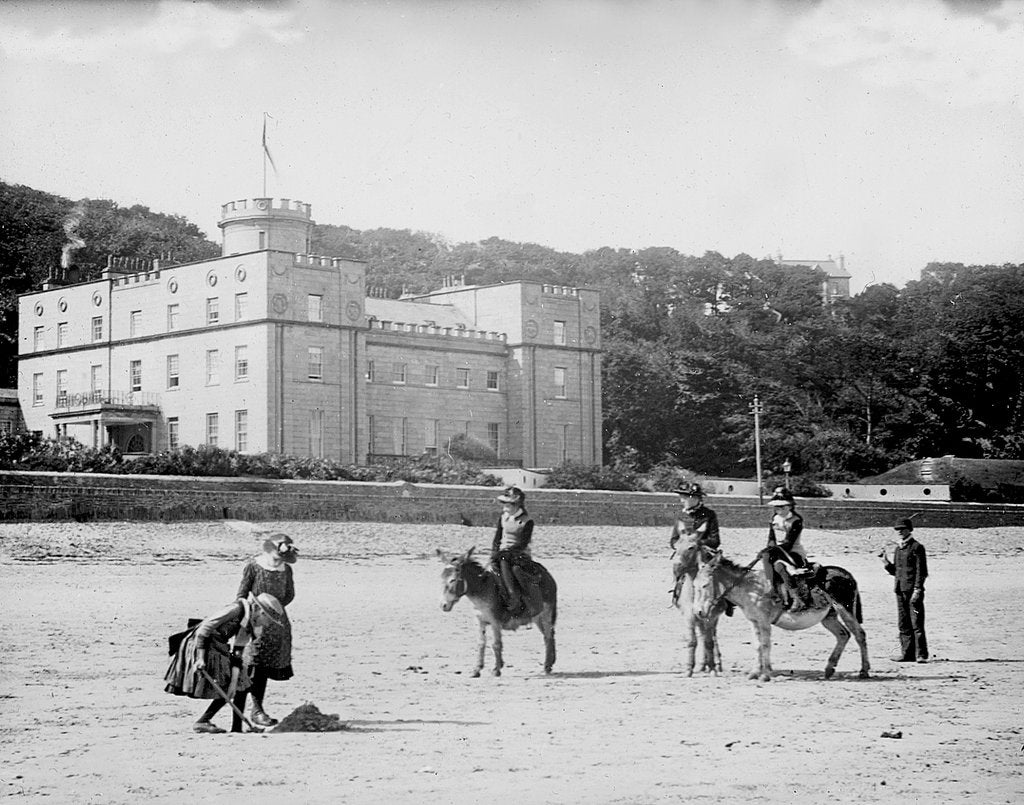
837, 278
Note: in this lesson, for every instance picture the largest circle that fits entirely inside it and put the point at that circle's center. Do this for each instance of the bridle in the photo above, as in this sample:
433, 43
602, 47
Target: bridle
739, 580
457, 585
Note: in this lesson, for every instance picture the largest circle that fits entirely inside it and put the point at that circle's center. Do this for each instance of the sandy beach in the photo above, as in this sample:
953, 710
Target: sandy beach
88, 609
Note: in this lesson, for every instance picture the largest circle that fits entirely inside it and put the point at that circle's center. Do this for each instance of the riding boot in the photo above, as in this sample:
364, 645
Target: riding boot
796, 603
514, 601
257, 691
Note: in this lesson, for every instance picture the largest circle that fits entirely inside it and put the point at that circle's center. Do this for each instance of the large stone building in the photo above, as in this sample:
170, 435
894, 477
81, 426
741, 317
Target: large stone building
271, 349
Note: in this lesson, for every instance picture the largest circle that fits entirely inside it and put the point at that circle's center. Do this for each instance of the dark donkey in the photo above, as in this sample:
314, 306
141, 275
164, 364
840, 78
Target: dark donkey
836, 606
464, 576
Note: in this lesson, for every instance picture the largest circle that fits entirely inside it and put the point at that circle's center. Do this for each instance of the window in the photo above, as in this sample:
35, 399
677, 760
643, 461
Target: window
212, 427
97, 328
316, 433
135, 375
316, 363
37, 339
462, 378
96, 380
398, 373
134, 322
242, 362
62, 334
6, 426
241, 306
560, 382
241, 430
212, 367
371, 433
492, 380
173, 436
401, 425
213, 311
492, 436
432, 374
172, 372
369, 371
263, 241
172, 317
560, 333
62, 387
37, 388
430, 435
315, 307
563, 443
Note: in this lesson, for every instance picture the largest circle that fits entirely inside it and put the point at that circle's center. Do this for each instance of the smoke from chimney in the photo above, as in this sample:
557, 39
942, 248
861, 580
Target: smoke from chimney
71, 222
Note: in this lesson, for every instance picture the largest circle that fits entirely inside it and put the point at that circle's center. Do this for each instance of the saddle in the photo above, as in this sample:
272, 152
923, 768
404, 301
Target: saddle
528, 577
807, 580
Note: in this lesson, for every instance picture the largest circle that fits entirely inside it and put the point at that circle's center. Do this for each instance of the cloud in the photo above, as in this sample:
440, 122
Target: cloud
949, 53
176, 26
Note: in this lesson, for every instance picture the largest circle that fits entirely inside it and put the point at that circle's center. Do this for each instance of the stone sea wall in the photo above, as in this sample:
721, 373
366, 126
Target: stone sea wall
43, 496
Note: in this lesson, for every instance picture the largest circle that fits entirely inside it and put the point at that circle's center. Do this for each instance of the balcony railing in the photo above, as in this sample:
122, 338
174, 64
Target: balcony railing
99, 398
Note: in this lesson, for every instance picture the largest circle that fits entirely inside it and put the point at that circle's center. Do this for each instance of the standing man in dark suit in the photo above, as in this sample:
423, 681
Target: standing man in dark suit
909, 566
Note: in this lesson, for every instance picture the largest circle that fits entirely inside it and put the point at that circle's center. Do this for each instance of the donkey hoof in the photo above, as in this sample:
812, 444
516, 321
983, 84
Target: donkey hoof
829, 672
476, 674
864, 675
496, 672
766, 677
547, 669
754, 675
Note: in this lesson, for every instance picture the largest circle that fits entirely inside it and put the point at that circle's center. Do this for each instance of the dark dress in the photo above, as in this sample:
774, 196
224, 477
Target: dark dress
212, 636
272, 652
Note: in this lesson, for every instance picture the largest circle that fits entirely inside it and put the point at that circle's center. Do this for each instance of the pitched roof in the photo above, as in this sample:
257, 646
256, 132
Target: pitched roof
830, 267
416, 312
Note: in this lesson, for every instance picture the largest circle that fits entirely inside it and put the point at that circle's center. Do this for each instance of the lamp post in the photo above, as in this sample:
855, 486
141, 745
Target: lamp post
787, 468
757, 410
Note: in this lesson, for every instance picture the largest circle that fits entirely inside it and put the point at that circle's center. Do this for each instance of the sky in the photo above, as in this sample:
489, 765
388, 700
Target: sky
890, 133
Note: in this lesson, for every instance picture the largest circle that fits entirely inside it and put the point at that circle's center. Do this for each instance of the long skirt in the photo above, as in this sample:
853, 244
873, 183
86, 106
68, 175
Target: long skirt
183, 679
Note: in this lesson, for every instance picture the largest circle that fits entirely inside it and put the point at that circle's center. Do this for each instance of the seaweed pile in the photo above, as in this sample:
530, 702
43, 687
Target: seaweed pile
308, 718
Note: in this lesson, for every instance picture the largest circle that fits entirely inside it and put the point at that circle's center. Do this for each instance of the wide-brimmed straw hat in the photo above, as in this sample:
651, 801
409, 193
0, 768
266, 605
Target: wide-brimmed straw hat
268, 606
284, 545
512, 495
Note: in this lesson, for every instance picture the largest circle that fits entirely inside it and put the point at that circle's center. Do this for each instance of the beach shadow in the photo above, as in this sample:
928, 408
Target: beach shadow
610, 674
802, 675
405, 724
983, 659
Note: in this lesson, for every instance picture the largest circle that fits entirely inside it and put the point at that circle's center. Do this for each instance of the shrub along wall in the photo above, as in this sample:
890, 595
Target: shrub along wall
88, 496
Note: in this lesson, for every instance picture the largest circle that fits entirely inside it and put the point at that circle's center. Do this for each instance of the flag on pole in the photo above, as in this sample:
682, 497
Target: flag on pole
266, 151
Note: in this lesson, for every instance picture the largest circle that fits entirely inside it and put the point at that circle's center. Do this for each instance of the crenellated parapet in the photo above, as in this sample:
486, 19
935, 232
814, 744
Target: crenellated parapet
435, 330
250, 207
559, 290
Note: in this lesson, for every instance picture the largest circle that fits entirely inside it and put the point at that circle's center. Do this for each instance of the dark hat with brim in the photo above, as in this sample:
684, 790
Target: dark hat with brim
781, 497
512, 495
905, 524
690, 490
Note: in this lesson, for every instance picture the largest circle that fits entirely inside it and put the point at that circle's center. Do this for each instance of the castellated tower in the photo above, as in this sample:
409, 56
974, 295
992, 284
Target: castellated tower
255, 224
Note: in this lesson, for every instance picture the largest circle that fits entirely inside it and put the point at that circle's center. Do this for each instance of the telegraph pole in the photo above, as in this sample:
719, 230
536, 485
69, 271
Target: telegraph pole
757, 410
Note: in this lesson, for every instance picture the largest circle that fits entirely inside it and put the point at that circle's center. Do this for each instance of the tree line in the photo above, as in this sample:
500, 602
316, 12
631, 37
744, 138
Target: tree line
848, 389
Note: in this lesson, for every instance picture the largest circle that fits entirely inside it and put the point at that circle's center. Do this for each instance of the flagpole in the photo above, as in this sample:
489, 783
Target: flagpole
264, 149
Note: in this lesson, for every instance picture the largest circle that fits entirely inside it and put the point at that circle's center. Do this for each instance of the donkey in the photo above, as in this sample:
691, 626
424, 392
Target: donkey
464, 576
696, 629
836, 606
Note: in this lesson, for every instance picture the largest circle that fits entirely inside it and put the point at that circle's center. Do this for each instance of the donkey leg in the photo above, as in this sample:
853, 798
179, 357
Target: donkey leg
481, 648
547, 628
712, 654
690, 631
842, 635
850, 622
496, 640
763, 631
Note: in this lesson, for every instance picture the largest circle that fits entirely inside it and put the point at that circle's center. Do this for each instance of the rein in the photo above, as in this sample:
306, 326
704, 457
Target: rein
742, 574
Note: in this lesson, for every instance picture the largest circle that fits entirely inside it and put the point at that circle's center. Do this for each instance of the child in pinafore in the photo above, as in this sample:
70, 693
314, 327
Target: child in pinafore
270, 655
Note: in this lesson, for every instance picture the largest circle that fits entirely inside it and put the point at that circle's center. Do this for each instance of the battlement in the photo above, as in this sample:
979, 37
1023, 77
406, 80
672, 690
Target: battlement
320, 260
433, 329
559, 290
250, 207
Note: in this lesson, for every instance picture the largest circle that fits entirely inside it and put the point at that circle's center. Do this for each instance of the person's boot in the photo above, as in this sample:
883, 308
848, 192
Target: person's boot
259, 717
514, 601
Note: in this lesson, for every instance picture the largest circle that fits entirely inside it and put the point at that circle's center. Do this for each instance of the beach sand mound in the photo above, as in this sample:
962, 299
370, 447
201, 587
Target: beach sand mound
308, 718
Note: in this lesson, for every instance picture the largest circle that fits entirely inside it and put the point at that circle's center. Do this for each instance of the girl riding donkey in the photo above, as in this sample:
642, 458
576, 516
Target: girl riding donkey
510, 555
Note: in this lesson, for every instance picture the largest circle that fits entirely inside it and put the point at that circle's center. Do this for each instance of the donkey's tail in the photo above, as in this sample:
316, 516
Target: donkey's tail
857, 609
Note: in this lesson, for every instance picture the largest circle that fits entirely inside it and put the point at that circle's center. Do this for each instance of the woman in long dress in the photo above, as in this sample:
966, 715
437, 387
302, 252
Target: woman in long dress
270, 655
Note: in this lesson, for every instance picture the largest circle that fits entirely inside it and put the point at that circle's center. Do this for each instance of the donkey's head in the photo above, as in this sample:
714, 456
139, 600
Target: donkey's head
706, 588
455, 584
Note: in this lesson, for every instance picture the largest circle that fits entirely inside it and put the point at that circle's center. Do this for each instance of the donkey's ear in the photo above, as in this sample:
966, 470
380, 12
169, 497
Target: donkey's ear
469, 553
440, 555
